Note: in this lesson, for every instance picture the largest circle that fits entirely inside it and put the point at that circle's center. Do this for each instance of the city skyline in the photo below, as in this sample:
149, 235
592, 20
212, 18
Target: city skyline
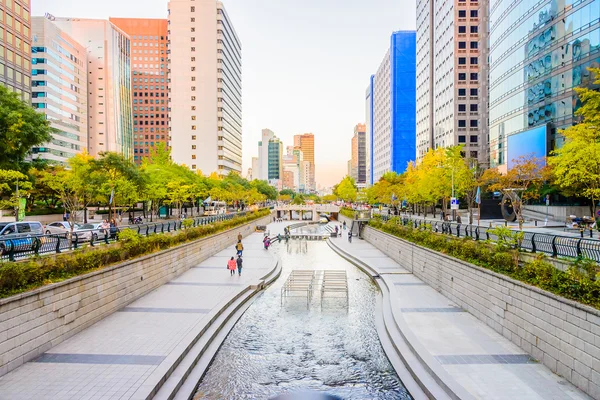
329, 74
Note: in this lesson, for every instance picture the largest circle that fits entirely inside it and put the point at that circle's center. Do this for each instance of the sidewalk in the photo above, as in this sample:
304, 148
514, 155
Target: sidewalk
127, 354
484, 363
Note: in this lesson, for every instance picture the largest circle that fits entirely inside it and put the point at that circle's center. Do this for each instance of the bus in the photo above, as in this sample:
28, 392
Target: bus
215, 208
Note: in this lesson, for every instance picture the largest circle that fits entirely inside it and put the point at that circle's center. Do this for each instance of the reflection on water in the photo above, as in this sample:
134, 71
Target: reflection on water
333, 349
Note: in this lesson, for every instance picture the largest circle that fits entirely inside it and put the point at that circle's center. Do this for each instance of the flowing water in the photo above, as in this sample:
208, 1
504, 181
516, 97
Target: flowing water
331, 347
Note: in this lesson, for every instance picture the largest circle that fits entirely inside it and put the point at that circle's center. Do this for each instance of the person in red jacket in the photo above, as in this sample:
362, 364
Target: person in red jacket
231, 266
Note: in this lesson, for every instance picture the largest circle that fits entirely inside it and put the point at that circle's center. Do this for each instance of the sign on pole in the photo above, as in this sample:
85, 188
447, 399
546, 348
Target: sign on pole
454, 203
22, 206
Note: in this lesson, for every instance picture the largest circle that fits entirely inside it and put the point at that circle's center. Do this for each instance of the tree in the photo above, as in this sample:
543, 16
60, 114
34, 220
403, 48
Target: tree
576, 165
329, 198
521, 182
21, 128
263, 187
9, 179
288, 192
346, 190
298, 200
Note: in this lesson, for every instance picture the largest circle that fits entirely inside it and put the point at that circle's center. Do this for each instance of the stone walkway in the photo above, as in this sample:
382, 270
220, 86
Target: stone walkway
124, 355
482, 361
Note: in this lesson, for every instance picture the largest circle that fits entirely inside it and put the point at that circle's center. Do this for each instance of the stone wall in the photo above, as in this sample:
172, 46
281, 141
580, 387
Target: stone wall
561, 334
33, 322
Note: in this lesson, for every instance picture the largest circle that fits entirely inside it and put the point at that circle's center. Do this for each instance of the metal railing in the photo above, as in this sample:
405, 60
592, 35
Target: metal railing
21, 247
553, 245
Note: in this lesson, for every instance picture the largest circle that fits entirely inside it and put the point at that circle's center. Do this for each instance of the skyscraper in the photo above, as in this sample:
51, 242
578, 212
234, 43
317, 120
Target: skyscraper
59, 90
358, 167
205, 64
306, 143
110, 119
539, 52
15, 46
391, 109
149, 80
452, 76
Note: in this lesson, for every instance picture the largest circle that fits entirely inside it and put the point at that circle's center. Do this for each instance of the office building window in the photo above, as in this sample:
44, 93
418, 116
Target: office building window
474, 138
462, 45
474, 45
462, 107
473, 92
474, 29
462, 29
473, 13
462, 92
474, 61
462, 123
474, 76
473, 107
462, 60
473, 123
462, 76
462, 13
462, 139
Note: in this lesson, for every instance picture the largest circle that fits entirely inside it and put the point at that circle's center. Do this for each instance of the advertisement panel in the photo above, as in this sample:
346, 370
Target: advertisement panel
532, 142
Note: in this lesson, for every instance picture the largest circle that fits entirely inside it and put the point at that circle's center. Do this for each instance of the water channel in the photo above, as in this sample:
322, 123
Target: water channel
330, 348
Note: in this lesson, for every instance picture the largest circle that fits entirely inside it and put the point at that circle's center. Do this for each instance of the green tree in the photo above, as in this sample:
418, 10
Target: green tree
263, 187
21, 128
9, 179
346, 190
576, 164
288, 192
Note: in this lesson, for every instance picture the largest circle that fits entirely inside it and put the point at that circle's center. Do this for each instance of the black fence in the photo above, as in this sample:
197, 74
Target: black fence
34, 245
553, 245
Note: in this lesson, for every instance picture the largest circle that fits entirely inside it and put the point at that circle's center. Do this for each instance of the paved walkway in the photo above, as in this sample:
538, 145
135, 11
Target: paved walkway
482, 361
124, 355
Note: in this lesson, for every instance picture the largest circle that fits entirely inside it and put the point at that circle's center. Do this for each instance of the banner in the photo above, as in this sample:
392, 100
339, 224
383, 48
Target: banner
22, 206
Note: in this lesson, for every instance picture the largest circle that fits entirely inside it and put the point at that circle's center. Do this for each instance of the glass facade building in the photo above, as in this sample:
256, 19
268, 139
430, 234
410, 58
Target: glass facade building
392, 107
59, 89
539, 52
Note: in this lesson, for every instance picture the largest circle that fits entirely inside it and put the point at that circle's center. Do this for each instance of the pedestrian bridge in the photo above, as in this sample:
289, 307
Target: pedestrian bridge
315, 209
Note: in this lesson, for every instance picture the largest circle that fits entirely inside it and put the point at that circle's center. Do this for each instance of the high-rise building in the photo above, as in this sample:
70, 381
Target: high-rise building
110, 118
369, 125
291, 170
306, 143
149, 80
452, 76
539, 52
275, 159
255, 168
205, 64
262, 172
393, 109
59, 90
358, 168
15, 46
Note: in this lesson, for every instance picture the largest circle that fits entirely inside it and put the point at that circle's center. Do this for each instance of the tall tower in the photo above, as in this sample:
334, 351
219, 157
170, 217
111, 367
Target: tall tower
205, 73
149, 80
452, 69
15, 52
306, 143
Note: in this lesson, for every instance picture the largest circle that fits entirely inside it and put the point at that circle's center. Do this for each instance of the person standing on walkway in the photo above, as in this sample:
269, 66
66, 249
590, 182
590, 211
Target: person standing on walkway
350, 236
239, 262
240, 237
344, 225
239, 247
231, 266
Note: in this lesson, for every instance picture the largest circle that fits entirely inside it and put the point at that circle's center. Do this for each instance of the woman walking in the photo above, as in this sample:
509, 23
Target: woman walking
231, 266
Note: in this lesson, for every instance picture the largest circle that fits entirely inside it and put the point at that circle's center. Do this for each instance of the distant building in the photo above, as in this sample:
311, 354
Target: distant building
306, 143
358, 169
15, 51
110, 117
60, 92
205, 62
269, 164
392, 107
150, 84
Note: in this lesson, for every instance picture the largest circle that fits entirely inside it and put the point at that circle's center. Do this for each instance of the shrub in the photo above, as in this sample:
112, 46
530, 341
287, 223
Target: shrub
580, 282
25, 275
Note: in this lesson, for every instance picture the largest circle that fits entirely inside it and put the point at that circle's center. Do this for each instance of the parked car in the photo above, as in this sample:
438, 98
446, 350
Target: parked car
20, 236
88, 231
59, 227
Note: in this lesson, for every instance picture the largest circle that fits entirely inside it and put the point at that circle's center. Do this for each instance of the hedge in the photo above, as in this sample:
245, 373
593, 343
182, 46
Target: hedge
581, 282
348, 212
16, 277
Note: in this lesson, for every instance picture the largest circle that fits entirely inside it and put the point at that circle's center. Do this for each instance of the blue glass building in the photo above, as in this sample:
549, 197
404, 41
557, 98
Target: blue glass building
391, 108
539, 52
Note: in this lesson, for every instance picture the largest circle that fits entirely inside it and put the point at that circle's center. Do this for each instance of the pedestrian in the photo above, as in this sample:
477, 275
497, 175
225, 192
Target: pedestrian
240, 237
458, 220
350, 236
239, 247
105, 227
344, 225
239, 262
231, 266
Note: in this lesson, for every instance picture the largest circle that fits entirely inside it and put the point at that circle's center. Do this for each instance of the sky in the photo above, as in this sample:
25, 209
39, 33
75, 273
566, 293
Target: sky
306, 64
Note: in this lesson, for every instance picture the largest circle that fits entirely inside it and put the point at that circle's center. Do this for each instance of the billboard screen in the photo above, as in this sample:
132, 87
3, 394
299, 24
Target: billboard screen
532, 142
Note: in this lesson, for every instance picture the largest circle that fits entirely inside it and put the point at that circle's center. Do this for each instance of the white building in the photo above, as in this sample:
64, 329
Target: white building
381, 119
205, 61
262, 172
110, 118
61, 91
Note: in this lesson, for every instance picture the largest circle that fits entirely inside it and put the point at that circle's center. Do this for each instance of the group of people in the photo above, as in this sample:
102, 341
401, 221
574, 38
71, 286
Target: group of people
109, 227
266, 242
275, 219
234, 264
338, 231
